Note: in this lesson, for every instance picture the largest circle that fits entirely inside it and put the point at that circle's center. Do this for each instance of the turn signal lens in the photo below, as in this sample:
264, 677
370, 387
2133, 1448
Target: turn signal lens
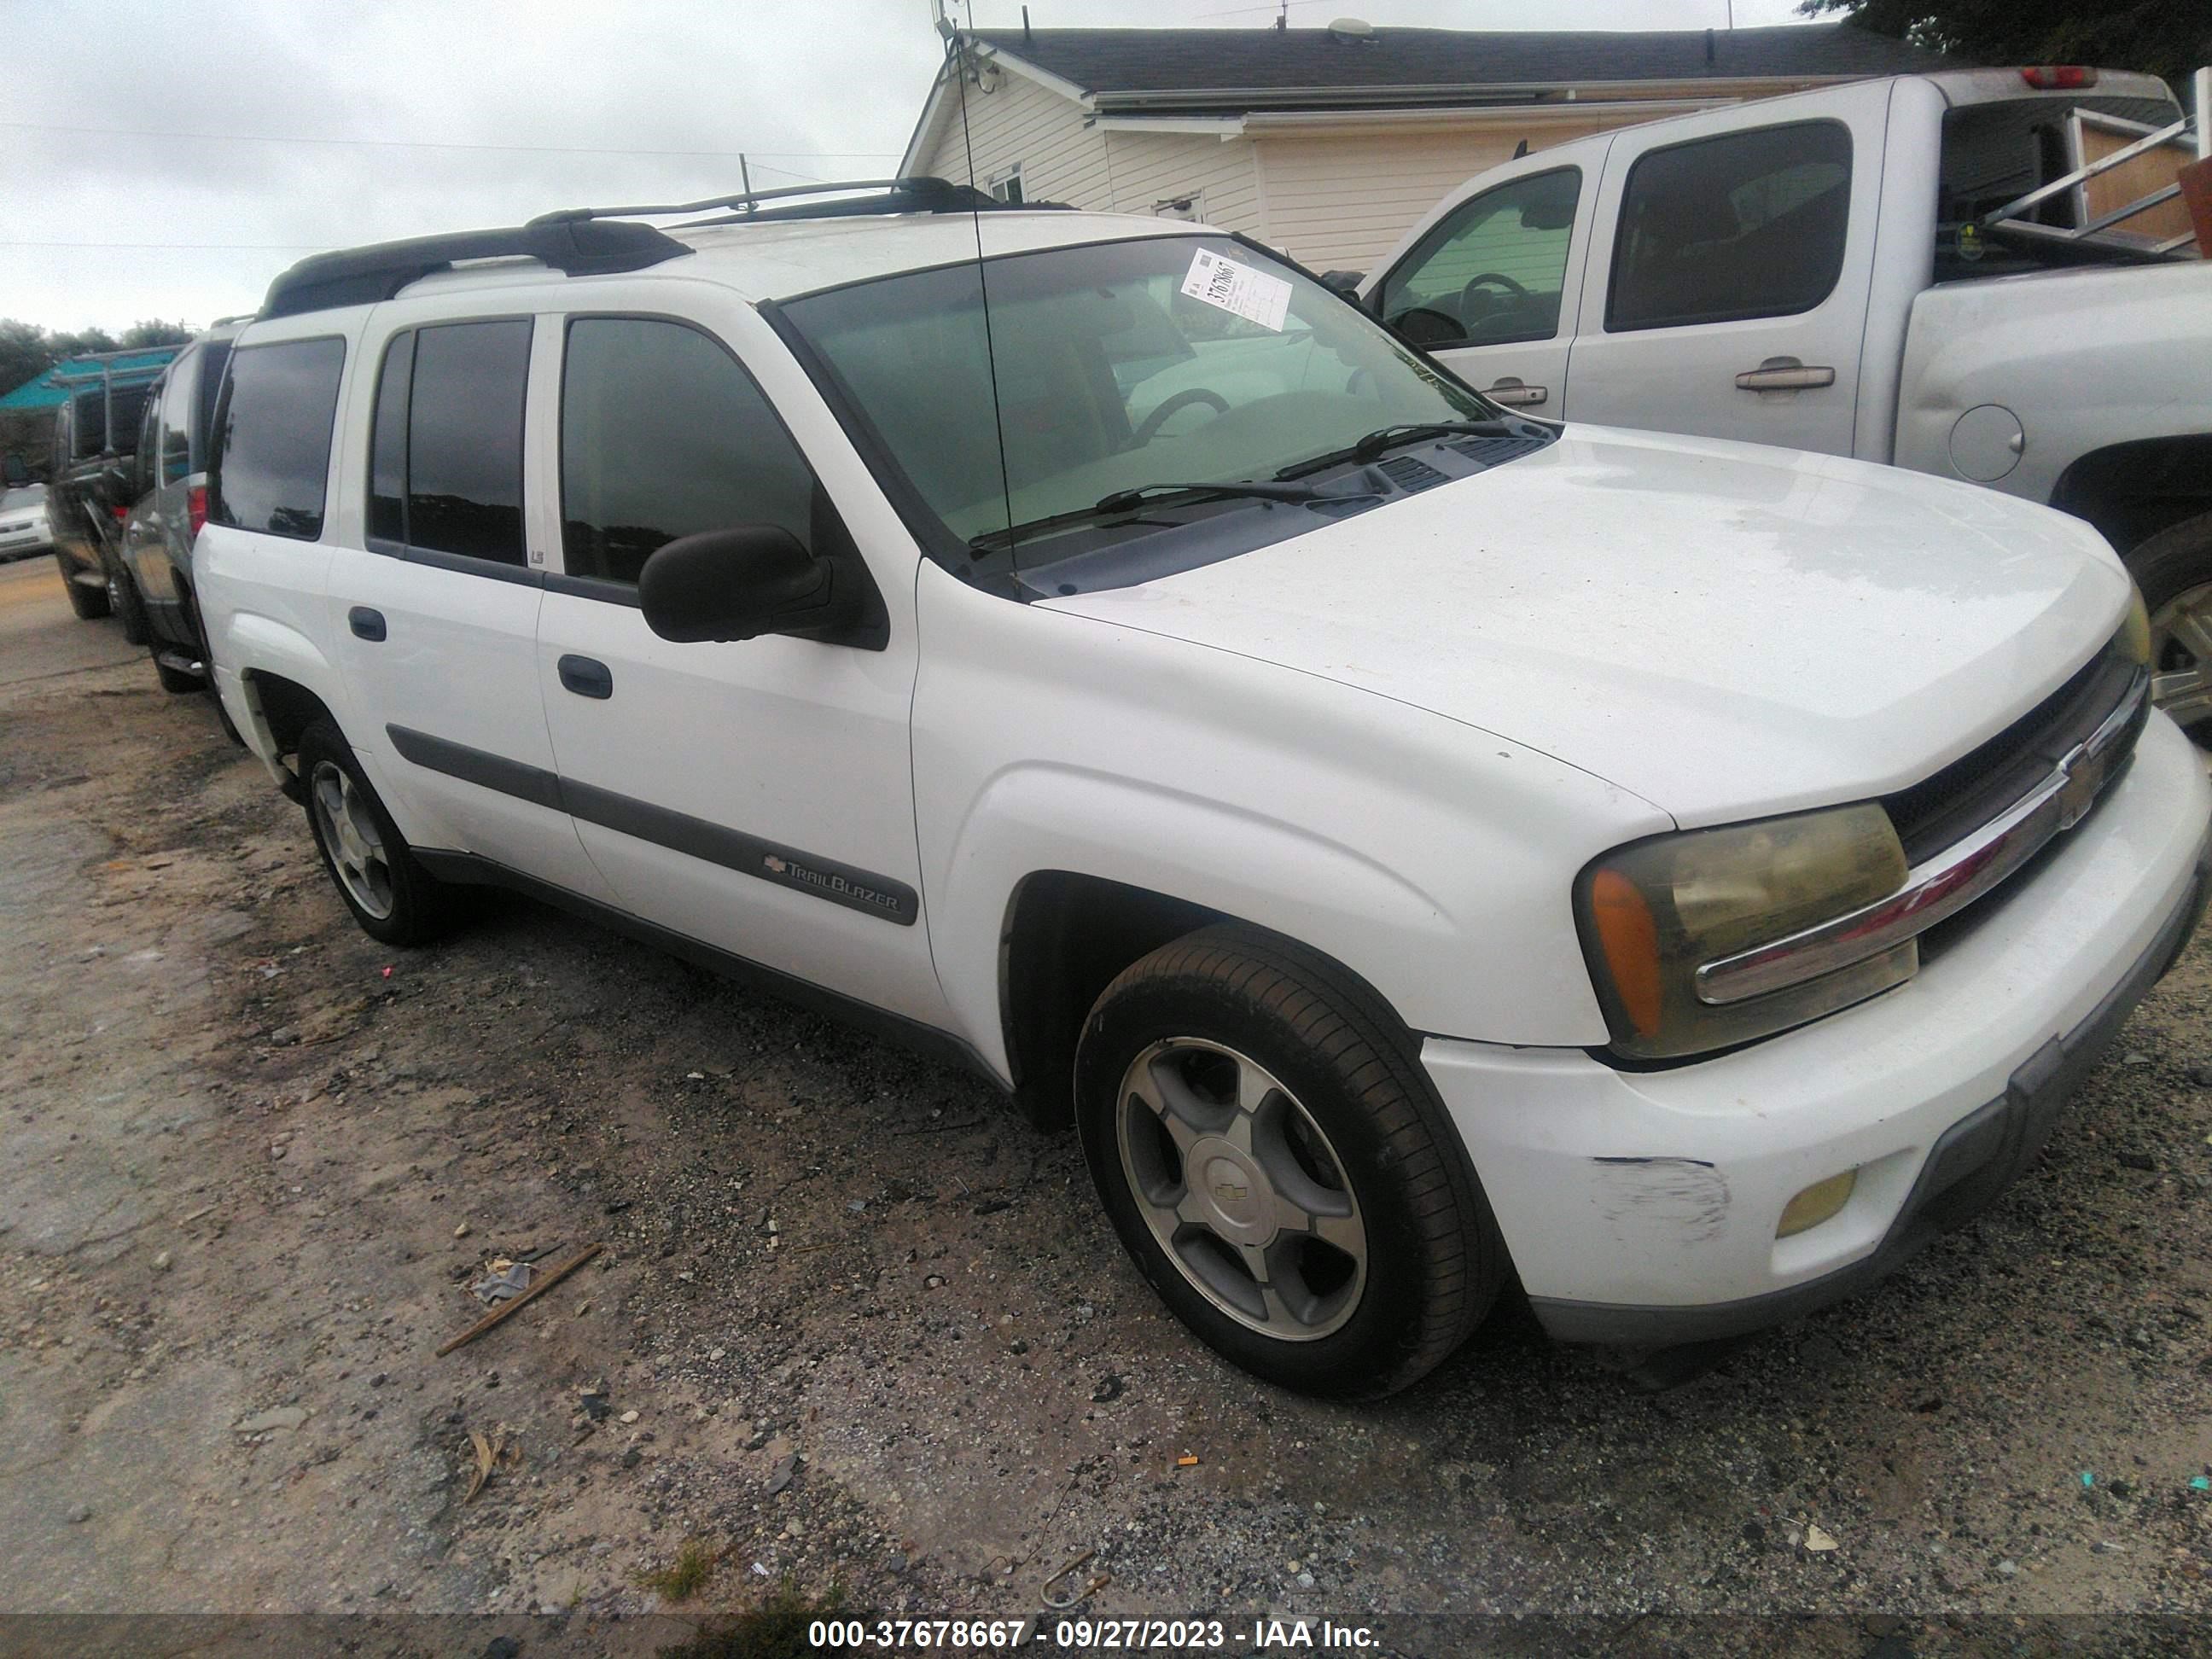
1816, 1204
1631, 941
196, 507
1653, 914
2133, 640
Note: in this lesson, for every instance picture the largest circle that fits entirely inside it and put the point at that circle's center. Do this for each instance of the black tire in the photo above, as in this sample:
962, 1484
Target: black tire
2166, 567
420, 906
1434, 1259
127, 605
90, 603
175, 681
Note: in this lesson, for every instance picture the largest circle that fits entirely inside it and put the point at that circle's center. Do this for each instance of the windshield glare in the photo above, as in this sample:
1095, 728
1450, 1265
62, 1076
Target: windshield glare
1109, 377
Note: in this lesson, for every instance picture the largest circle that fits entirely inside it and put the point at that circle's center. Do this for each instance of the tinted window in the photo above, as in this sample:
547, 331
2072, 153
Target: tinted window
181, 401
663, 435
387, 462
1748, 224
464, 439
272, 456
1495, 266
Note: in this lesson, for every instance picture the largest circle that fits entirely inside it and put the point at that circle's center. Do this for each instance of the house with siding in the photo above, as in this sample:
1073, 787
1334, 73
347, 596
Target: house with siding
1328, 143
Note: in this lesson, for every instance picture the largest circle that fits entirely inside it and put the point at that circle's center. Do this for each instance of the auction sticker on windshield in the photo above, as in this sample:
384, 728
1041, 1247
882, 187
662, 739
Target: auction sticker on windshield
1240, 289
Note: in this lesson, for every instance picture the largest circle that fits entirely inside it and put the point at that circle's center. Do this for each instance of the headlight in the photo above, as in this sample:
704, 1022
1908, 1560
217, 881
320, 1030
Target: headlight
1653, 912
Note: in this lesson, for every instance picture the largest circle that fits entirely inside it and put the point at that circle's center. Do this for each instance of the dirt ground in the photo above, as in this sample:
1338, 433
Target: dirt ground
855, 1323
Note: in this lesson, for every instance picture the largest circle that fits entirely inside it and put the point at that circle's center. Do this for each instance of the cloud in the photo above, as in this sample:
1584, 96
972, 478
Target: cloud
563, 103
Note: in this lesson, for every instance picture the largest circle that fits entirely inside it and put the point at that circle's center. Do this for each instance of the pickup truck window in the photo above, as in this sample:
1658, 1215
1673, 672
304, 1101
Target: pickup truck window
272, 458
1108, 370
1496, 264
1747, 224
663, 435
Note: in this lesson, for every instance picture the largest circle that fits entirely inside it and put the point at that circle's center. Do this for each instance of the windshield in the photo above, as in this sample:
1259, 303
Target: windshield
1117, 365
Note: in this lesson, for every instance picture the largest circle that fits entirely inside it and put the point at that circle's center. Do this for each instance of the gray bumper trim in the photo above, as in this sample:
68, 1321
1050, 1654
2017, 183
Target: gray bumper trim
1976, 1159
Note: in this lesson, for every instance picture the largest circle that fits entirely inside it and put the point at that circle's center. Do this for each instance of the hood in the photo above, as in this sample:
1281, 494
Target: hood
1724, 630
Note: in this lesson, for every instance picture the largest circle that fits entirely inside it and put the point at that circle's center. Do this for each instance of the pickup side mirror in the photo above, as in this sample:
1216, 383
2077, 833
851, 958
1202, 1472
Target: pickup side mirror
735, 584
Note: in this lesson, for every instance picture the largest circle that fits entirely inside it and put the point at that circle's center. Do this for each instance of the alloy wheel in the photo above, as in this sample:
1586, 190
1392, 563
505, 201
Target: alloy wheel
1241, 1189
356, 850
2181, 655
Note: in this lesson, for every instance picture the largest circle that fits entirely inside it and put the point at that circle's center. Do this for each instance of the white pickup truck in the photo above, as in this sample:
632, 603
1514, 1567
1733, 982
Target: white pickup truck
1830, 271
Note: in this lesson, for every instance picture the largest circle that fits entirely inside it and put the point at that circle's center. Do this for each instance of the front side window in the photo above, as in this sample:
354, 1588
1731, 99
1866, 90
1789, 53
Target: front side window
664, 435
272, 451
1747, 224
1492, 270
446, 447
1118, 366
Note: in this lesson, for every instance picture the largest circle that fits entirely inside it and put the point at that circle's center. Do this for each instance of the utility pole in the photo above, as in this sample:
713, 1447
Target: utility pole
745, 173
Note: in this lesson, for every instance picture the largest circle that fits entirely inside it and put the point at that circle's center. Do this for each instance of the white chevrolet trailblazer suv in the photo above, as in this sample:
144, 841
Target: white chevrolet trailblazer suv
1421, 846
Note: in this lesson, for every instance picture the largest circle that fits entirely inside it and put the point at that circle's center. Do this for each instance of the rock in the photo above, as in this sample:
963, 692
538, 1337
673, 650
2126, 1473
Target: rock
80, 1515
1305, 1581
895, 1564
630, 1417
2008, 1568
283, 1036
780, 1475
2142, 1161
279, 1419
162, 1262
461, 1231
502, 1647
2200, 1075
1819, 1540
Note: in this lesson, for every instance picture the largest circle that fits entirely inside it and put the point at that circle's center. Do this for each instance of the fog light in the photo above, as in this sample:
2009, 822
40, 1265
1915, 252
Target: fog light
1816, 1203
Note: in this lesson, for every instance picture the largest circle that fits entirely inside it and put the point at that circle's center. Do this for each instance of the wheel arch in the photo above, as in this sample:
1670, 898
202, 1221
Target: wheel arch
2131, 491
278, 710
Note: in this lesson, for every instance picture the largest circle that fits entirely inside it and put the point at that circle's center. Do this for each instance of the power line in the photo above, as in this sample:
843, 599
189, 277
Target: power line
424, 143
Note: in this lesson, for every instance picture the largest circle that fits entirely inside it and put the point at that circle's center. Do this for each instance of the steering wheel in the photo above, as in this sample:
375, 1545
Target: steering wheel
1424, 327
1174, 406
1473, 286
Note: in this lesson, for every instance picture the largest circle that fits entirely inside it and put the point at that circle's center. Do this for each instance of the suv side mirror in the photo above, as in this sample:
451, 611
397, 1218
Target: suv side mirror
1346, 282
734, 584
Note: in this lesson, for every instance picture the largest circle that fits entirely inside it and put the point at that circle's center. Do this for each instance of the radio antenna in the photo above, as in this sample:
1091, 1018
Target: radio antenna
955, 49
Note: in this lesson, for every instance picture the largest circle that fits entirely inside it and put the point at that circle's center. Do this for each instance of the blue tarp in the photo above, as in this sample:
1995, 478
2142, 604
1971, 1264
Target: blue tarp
43, 393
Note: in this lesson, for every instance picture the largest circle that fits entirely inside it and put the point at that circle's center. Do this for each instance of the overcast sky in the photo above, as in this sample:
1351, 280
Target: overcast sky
167, 159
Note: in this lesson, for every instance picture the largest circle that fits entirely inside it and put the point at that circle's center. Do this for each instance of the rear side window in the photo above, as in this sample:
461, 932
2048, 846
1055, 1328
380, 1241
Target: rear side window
463, 460
1747, 224
180, 399
272, 458
664, 435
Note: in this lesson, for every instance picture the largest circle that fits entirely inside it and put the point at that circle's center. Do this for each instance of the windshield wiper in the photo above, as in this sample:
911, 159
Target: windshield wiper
1385, 439
1127, 500
1122, 500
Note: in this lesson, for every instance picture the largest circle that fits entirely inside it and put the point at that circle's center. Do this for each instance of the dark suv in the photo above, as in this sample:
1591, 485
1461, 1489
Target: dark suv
88, 494
170, 504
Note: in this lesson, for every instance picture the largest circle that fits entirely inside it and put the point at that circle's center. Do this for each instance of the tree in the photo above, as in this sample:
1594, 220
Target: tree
156, 333
2168, 38
25, 353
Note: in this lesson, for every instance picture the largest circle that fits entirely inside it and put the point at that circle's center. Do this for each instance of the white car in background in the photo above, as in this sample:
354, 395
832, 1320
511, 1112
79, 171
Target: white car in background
23, 528
1418, 845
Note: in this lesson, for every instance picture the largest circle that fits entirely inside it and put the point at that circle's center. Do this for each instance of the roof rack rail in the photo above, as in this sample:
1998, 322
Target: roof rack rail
915, 193
361, 276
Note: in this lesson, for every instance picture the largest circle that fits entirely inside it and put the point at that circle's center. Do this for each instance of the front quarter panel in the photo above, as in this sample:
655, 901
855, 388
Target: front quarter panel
1432, 858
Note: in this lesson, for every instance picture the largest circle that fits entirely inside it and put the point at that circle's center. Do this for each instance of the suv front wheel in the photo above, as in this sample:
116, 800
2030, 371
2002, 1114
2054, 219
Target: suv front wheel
1267, 1145
391, 896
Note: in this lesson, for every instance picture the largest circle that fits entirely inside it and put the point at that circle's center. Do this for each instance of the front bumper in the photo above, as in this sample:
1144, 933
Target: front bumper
24, 544
1641, 1207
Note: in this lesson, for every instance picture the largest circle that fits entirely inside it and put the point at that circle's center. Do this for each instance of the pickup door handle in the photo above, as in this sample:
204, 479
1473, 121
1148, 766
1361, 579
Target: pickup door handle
586, 676
1784, 374
367, 624
1516, 393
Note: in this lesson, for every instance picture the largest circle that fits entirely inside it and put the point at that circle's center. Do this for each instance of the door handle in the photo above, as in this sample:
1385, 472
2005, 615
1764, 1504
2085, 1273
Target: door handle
1515, 393
1784, 374
367, 624
587, 677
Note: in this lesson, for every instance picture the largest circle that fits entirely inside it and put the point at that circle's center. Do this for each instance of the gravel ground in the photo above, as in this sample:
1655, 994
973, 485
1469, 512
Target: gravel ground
855, 1325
